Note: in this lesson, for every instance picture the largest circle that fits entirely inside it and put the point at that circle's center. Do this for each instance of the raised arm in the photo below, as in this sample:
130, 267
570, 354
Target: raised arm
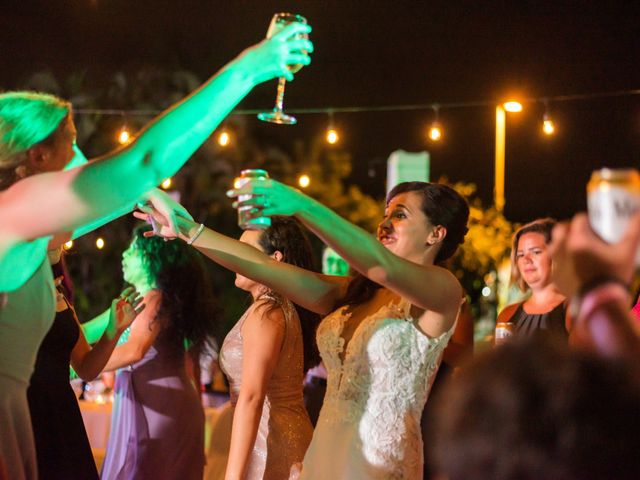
89, 361
144, 330
597, 275
362, 250
64, 201
311, 290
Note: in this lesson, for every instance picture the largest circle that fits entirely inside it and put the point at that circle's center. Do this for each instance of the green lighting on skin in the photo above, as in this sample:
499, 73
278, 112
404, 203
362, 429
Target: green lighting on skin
162, 147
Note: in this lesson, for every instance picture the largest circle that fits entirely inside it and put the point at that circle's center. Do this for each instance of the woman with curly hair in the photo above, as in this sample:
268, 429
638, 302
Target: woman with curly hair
157, 427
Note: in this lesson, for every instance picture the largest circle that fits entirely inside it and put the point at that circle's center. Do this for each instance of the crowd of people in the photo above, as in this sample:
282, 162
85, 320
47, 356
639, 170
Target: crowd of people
558, 401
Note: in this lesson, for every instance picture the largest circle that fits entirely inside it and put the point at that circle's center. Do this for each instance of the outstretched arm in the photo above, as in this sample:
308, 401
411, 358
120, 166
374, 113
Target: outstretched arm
363, 252
596, 273
311, 290
64, 201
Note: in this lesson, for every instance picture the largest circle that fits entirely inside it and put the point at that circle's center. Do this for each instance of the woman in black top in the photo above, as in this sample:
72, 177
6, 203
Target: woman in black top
62, 447
546, 308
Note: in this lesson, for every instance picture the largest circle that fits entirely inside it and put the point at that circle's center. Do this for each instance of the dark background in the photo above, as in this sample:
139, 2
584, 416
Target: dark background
386, 53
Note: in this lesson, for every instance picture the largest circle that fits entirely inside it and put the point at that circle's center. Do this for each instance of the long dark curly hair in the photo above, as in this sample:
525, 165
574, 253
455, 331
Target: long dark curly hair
188, 302
287, 235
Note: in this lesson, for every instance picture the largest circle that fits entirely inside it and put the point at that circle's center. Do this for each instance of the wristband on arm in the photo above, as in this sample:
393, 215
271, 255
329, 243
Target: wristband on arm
597, 292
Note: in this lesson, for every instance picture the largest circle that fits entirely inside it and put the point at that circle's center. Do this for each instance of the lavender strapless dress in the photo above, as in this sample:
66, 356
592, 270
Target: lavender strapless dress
285, 430
157, 424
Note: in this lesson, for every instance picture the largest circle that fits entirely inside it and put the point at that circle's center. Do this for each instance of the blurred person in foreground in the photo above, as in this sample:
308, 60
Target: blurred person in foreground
534, 409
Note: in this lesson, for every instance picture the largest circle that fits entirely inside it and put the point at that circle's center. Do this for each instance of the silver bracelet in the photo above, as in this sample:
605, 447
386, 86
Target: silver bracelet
196, 235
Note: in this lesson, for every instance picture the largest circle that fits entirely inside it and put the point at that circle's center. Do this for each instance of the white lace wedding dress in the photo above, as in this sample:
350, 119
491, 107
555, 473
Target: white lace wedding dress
369, 425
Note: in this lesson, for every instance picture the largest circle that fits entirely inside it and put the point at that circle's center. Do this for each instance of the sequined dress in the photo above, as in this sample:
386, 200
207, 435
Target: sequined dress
369, 425
285, 429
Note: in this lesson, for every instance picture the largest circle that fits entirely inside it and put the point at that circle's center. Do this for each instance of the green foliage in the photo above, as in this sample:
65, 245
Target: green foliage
486, 245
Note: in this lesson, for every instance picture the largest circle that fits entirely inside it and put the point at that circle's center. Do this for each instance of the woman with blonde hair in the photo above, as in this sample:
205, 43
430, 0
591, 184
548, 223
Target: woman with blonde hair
531, 268
37, 139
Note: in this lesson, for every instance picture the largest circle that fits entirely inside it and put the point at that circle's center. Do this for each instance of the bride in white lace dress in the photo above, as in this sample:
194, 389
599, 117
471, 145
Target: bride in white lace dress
385, 329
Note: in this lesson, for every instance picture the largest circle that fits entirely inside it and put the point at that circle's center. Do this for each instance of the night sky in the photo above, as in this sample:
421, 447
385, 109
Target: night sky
387, 53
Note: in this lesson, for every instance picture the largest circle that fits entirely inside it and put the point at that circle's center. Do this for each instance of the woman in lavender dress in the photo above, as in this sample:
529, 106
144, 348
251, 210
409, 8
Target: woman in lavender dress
157, 426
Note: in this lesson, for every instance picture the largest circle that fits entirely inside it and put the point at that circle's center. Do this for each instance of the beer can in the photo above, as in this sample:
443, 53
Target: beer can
613, 196
250, 216
504, 330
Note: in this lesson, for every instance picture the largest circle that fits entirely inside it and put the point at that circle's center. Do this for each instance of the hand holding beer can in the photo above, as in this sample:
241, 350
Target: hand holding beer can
250, 216
613, 196
504, 330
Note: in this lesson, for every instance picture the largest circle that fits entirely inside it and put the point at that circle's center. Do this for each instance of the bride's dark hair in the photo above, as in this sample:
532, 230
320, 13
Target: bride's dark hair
443, 206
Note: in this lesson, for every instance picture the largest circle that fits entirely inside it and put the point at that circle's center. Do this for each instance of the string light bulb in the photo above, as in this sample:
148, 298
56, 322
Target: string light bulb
100, 243
332, 133
167, 183
124, 136
304, 180
435, 130
224, 138
68, 245
548, 127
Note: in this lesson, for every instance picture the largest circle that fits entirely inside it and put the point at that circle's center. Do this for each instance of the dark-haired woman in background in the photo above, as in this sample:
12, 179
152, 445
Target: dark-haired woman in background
265, 356
546, 309
157, 426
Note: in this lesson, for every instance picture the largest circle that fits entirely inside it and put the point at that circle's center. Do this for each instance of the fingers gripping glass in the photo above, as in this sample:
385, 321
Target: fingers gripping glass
278, 22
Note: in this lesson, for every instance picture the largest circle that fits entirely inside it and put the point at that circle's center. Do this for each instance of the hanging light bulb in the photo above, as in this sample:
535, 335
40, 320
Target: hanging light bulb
548, 126
68, 245
435, 130
332, 133
124, 136
167, 183
224, 138
304, 180
100, 243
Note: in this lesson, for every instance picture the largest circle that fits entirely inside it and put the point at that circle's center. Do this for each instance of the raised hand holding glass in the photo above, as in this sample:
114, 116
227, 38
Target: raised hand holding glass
278, 22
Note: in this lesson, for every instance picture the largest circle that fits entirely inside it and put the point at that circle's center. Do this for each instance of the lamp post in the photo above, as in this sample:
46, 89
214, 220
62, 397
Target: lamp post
501, 124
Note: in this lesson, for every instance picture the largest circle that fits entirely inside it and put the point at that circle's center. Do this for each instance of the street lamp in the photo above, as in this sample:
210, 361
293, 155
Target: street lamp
501, 124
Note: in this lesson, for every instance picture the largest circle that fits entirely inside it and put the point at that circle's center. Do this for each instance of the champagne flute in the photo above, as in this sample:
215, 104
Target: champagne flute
278, 22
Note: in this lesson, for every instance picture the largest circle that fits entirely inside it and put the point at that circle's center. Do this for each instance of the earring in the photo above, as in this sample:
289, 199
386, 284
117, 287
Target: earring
21, 171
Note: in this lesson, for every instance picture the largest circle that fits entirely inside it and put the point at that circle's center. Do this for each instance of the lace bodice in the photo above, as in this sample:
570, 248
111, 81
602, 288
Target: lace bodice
376, 397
